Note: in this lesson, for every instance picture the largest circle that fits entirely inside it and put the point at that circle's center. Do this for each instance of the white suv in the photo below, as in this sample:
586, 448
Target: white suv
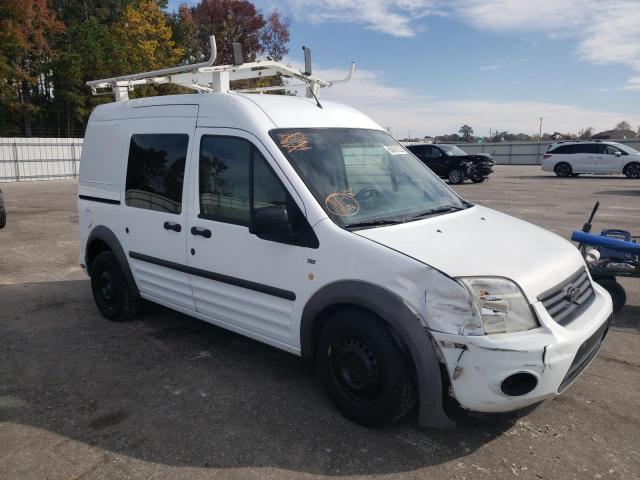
568, 159
312, 230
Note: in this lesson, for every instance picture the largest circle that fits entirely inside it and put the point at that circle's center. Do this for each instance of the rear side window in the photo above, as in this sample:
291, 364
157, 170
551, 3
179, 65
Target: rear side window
155, 171
564, 149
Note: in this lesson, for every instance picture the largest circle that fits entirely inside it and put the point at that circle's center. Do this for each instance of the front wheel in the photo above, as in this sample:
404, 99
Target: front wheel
456, 176
563, 169
632, 170
363, 369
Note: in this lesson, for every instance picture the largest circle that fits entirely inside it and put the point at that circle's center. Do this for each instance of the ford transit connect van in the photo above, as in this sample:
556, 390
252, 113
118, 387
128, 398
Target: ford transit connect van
309, 228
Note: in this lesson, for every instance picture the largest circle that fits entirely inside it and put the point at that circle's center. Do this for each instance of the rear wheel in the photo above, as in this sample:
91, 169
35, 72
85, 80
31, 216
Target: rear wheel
618, 295
365, 372
563, 169
456, 176
3, 218
112, 294
632, 170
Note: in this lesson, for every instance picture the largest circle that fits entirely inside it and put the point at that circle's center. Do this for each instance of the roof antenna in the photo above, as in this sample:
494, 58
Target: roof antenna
311, 88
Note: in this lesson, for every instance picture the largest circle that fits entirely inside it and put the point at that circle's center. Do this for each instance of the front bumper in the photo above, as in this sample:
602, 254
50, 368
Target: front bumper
553, 354
480, 170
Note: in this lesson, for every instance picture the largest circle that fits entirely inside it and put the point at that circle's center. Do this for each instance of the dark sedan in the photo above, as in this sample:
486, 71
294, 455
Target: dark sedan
453, 163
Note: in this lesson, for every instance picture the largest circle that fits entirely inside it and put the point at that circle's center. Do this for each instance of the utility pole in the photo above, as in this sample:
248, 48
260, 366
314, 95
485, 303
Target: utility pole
540, 131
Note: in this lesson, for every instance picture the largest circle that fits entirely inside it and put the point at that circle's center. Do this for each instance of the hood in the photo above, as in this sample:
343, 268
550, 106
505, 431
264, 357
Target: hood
482, 242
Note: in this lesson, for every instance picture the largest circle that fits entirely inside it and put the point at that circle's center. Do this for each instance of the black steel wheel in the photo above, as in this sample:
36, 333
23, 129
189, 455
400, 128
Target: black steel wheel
365, 372
632, 170
563, 169
456, 176
112, 294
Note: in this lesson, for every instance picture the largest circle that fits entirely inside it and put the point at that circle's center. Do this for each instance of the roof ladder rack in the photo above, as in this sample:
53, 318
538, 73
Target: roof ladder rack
206, 78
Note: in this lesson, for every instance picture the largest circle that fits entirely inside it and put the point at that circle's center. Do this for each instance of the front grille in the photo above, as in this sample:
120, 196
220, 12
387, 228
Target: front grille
566, 301
585, 354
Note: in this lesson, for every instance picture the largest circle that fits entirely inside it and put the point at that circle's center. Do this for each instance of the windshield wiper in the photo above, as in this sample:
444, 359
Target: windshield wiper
373, 223
438, 210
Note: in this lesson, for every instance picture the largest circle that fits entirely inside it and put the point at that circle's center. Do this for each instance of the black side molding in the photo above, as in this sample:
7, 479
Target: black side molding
218, 277
99, 199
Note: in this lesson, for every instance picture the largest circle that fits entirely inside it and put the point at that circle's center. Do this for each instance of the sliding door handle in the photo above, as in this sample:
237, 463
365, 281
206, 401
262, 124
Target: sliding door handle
203, 232
176, 227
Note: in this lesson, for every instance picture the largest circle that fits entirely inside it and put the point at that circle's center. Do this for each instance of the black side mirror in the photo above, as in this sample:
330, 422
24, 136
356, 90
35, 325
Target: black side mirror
271, 220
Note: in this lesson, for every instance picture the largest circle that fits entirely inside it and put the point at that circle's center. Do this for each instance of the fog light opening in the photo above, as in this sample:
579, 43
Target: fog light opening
518, 384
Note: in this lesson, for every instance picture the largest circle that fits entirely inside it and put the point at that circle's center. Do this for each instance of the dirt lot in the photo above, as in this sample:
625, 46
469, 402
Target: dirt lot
166, 396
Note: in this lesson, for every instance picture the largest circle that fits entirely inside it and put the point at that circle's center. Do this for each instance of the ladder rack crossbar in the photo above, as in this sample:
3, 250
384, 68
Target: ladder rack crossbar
207, 78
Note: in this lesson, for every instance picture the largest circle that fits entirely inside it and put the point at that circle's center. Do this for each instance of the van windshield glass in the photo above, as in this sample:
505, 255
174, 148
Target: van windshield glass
364, 178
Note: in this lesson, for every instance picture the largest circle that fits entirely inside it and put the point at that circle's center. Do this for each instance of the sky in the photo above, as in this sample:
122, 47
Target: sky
426, 67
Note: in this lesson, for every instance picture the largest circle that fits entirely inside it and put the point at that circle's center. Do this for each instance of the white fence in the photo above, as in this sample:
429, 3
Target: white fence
23, 159
521, 153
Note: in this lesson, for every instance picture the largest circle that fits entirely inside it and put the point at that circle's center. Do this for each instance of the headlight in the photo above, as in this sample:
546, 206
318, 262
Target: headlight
500, 305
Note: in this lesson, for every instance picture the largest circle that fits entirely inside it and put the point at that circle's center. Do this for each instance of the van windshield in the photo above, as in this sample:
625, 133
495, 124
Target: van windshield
364, 178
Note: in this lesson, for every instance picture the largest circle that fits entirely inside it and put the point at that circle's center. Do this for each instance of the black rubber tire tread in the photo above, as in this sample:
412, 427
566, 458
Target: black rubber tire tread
617, 292
398, 393
626, 169
127, 304
462, 175
555, 169
3, 218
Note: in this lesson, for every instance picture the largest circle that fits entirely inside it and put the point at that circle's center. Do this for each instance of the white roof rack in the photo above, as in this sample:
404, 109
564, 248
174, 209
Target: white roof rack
205, 77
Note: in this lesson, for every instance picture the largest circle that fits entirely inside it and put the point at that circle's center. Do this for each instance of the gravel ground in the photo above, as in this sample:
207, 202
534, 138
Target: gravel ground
167, 396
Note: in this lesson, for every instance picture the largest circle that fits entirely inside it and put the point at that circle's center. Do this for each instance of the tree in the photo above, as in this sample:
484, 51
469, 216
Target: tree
185, 34
142, 39
26, 29
275, 35
623, 125
466, 132
585, 133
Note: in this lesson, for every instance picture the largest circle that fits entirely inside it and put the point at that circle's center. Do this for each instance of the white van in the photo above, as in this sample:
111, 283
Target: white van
309, 228
570, 159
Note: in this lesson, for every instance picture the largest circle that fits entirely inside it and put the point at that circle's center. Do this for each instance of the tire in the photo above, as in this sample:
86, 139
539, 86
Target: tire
365, 372
478, 179
563, 169
111, 292
456, 176
3, 218
618, 295
632, 170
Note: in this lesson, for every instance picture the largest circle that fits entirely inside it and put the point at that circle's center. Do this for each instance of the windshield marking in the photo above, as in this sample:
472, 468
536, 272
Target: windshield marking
342, 204
294, 142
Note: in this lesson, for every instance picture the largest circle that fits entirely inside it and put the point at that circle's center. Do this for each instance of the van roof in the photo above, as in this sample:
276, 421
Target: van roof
239, 110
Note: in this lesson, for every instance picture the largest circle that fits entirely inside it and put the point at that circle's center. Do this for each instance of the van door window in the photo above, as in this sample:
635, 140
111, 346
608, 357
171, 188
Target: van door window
155, 171
225, 164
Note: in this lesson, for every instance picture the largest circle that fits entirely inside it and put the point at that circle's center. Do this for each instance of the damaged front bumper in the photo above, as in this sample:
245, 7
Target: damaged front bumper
489, 373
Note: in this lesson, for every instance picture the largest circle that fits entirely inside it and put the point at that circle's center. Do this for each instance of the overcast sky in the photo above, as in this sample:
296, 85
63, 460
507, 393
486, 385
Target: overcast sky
428, 66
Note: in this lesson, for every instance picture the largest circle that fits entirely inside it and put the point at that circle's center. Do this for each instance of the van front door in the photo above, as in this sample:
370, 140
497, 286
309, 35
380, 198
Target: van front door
154, 216
239, 280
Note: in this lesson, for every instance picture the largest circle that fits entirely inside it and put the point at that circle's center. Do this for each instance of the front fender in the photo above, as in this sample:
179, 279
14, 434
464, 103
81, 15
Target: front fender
406, 325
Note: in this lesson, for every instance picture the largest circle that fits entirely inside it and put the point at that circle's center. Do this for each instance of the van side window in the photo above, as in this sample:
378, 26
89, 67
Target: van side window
155, 171
267, 190
225, 164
